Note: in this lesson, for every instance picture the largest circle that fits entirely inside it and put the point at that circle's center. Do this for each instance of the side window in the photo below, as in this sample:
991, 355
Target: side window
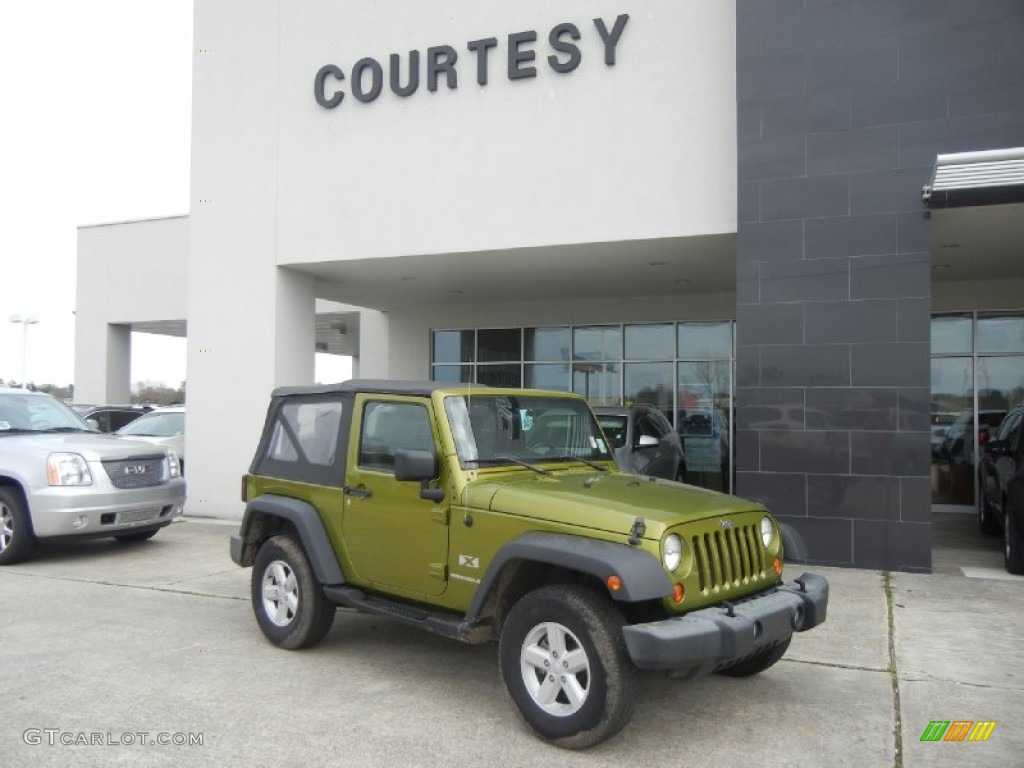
388, 427
120, 418
102, 419
1010, 427
309, 429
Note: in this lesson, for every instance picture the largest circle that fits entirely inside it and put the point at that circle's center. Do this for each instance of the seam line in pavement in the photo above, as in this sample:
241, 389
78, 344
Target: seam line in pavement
131, 586
894, 677
832, 665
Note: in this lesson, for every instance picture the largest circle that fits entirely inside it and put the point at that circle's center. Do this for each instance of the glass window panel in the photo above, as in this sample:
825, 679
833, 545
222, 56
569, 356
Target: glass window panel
597, 343
508, 375
495, 345
453, 346
650, 383
650, 342
952, 438
1000, 335
951, 335
1000, 384
599, 382
702, 340
554, 377
453, 374
703, 419
547, 344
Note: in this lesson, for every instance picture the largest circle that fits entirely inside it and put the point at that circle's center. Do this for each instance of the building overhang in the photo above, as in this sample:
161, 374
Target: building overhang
991, 177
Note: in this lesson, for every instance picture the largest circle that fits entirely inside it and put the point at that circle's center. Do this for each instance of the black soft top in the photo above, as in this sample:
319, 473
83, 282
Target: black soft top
376, 386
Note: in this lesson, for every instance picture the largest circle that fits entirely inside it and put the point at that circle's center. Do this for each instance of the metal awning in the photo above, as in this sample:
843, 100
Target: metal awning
990, 177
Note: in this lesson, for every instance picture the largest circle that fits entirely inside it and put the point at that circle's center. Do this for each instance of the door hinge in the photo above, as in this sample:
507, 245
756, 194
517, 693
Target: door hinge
439, 571
439, 515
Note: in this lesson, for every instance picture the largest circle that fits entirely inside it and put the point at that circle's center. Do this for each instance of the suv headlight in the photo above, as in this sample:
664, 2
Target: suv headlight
672, 551
767, 531
67, 469
173, 466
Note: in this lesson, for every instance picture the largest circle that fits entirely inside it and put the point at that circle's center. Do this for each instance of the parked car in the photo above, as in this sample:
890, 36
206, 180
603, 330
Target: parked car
60, 478
643, 441
110, 418
957, 447
161, 426
1001, 488
941, 423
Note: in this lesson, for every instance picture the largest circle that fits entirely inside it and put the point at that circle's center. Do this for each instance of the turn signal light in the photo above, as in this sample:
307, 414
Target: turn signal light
777, 566
614, 583
677, 593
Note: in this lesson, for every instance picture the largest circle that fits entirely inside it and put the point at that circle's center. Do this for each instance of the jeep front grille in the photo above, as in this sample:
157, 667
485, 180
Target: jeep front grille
136, 473
730, 557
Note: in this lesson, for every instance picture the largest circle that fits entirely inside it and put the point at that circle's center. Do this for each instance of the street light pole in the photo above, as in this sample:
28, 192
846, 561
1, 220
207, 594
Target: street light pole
26, 321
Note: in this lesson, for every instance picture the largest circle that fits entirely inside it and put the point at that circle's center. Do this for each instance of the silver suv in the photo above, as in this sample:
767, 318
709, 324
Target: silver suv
60, 478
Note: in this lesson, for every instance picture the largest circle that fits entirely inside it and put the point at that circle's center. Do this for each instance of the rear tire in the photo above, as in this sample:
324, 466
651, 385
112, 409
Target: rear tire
287, 599
563, 660
17, 539
759, 663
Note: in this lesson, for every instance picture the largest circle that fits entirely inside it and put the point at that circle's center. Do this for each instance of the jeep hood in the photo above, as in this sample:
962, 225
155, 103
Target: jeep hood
608, 502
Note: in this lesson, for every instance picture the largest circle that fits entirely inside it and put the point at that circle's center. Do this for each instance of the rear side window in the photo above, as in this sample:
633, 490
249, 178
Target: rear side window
302, 441
388, 427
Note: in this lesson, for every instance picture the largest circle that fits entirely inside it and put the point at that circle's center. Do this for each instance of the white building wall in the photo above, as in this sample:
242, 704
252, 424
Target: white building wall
127, 273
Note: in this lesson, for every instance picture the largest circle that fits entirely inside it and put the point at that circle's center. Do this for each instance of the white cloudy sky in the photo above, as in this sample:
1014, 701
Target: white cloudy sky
95, 119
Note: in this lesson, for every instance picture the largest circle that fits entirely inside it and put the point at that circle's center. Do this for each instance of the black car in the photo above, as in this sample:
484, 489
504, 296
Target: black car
643, 441
1001, 488
110, 418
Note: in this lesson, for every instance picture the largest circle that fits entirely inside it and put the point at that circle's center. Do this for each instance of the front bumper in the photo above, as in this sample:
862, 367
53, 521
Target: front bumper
98, 510
715, 637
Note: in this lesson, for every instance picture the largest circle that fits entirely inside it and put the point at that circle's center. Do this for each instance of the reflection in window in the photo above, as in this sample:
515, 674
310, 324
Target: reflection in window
555, 377
547, 343
650, 342
705, 340
1000, 334
951, 335
508, 375
597, 343
499, 345
453, 346
650, 383
599, 382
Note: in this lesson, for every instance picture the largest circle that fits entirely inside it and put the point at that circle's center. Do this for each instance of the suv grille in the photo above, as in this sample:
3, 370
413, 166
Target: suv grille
136, 473
729, 557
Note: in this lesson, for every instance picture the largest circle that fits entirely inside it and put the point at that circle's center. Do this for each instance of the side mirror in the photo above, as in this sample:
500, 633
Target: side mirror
647, 441
93, 423
997, 448
419, 466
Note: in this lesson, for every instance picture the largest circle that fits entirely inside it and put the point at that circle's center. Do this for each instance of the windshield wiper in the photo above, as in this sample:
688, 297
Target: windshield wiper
17, 431
520, 462
576, 458
50, 430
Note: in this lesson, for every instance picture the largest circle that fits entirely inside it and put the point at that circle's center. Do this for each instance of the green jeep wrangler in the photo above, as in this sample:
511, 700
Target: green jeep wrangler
499, 515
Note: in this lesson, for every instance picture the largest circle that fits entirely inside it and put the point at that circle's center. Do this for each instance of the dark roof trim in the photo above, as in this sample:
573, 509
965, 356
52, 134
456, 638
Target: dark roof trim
376, 386
992, 177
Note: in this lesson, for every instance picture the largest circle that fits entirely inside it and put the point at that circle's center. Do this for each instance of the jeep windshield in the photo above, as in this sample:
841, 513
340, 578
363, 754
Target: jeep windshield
31, 413
494, 430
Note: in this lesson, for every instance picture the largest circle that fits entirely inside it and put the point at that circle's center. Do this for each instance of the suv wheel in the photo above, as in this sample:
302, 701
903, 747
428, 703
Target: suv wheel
16, 536
1014, 557
986, 515
758, 663
289, 604
564, 663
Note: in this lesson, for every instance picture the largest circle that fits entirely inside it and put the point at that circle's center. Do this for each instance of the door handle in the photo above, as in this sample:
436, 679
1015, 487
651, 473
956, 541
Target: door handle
360, 491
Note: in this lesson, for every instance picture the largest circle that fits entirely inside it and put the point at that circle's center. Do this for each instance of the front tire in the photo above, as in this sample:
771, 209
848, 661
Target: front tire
759, 663
287, 599
17, 538
1014, 546
563, 661
987, 522
139, 536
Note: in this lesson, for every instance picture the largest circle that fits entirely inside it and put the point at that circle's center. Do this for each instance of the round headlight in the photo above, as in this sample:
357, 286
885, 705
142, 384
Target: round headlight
673, 551
767, 531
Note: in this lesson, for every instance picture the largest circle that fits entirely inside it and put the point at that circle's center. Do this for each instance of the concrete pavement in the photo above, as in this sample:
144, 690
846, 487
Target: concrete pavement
114, 642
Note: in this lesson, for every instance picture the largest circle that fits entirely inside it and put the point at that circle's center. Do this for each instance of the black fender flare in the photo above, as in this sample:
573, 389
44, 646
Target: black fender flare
642, 576
793, 547
306, 520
